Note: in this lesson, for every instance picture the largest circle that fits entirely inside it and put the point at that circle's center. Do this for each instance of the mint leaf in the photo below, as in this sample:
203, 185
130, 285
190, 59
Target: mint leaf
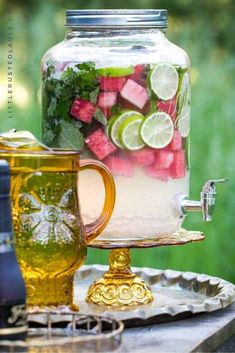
58, 90
50, 84
48, 137
70, 135
93, 95
115, 109
52, 106
50, 67
89, 65
68, 76
58, 96
50, 131
63, 108
100, 117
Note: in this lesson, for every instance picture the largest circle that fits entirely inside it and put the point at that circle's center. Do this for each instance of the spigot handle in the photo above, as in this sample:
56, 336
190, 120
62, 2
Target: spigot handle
211, 184
205, 205
208, 198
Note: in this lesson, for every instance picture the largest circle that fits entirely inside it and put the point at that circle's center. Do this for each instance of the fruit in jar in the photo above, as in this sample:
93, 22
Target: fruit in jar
122, 115
164, 81
130, 133
163, 159
116, 71
178, 166
183, 103
143, 157
82, 109
169, 165
99, 143
184, 95
157, 130
116, 122
134, 93
176, 142
183, 121
128, 105
138, 75
105, 102
169, 107
114, 84
119, 166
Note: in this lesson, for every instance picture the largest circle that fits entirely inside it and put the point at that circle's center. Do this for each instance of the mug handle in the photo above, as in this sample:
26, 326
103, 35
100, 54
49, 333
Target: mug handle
95, 228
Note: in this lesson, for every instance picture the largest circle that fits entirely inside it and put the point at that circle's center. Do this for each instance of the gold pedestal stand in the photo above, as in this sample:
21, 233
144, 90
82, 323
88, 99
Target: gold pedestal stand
119, 286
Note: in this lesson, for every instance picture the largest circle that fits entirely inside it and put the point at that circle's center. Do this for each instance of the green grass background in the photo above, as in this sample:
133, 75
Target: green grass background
205, 30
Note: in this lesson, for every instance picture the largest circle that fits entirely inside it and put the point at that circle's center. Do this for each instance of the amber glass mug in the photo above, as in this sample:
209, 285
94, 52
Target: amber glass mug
50, 236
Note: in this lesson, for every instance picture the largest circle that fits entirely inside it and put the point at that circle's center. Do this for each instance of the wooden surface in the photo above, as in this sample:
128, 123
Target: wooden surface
202, 333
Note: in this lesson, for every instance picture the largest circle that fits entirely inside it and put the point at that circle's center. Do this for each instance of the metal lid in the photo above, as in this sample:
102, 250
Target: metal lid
116, 18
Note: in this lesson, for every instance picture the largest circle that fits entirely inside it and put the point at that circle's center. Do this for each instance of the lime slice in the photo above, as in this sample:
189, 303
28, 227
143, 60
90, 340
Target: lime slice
164, 81
110, 122
130, 133
116, 71
183, 122
157, 130
115, 123
184, 95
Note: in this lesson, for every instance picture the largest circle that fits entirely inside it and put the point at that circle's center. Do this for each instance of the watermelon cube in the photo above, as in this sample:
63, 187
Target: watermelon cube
127, 105
119, 166
178, 166
105, 102
163, 159
168, 107
143, 157
99, 143
134, 93
161, 174
138, 74
83, 110
114, 84
176, 142
139, 68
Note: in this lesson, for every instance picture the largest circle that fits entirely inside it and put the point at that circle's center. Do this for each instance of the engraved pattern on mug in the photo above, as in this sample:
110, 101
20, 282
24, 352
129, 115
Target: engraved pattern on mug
44, 221
49, 233
49, 222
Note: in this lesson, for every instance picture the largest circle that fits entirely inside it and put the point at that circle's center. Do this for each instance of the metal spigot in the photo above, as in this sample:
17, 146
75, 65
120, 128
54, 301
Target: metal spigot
206, 204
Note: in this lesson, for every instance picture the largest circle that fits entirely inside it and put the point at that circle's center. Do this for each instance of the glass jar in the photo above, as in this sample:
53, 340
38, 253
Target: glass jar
119, 90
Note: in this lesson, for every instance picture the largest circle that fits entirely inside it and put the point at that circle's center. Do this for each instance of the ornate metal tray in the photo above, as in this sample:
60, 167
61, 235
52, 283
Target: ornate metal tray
176, 294
65, 331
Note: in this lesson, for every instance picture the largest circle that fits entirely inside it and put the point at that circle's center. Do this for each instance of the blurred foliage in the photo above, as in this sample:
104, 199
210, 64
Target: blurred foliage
205, 29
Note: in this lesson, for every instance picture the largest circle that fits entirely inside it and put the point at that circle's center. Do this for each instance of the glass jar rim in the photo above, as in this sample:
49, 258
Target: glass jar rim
29, 161
57, 152
117, 18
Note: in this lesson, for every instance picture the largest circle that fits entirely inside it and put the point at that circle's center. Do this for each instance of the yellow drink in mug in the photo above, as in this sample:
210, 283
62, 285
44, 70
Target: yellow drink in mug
50, 236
